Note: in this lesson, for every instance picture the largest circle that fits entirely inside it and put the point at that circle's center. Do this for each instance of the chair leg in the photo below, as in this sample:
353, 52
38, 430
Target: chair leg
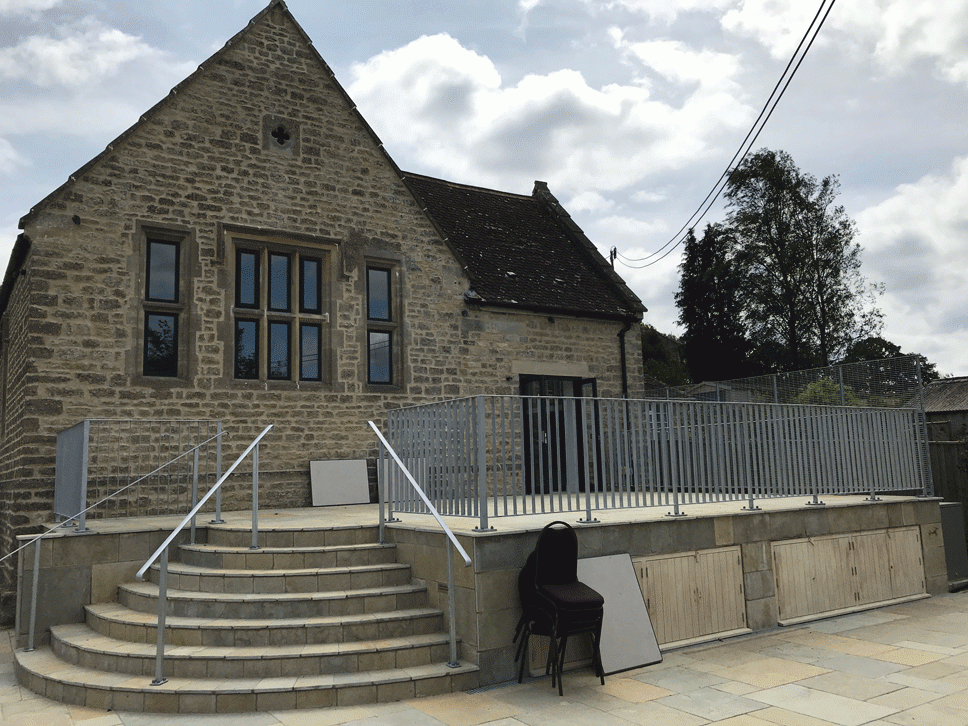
597, 653
561, 662
523, 651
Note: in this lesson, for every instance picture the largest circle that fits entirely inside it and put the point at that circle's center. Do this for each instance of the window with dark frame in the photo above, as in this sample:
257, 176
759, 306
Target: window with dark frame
275, 337
380, 326
162, 308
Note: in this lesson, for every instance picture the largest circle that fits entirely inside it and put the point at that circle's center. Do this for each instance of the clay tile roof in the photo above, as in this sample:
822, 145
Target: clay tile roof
524, 251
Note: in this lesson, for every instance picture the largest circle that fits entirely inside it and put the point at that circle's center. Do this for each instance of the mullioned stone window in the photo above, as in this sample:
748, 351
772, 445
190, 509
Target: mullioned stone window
280, 324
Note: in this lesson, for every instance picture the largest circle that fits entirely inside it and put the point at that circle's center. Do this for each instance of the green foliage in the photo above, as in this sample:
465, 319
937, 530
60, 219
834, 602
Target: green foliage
825, 392
662, 358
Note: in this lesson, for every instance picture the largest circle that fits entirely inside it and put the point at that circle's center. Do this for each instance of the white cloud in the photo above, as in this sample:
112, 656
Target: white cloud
917, 242
665, 10
897, 33
10, 158
20, 7
675, 61
589, 201
649, 197
448, 107
82, 54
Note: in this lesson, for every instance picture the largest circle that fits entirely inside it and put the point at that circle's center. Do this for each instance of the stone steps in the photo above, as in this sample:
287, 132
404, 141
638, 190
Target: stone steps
313, 618
121, 623
45, 674
248, 581
79, 645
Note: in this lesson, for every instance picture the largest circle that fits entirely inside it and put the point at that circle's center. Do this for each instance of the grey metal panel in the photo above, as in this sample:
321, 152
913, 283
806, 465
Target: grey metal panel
70, 470
955, 551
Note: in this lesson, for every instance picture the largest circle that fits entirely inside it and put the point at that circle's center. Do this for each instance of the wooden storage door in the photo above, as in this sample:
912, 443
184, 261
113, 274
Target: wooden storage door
870, 568
907, 562
693, 595
812, 576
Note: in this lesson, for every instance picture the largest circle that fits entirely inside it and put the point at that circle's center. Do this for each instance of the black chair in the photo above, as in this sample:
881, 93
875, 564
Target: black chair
555, 604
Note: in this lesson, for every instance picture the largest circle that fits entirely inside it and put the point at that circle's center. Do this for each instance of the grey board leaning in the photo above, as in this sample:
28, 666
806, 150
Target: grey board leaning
628, 639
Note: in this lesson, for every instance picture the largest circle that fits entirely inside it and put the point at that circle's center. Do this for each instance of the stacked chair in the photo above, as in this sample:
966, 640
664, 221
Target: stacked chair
555, 604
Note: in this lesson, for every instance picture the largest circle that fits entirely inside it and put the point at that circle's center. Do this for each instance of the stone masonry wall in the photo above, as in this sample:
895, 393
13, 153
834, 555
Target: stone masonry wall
201, 167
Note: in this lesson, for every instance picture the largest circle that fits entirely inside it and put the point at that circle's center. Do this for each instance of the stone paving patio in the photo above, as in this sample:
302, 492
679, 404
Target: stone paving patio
905, 664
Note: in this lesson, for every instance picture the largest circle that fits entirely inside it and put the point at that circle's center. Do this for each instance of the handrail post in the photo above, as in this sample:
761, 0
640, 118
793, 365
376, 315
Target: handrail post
381, 473
218, 468
33, 596
162, 608
194, 491
255, 498
452, 605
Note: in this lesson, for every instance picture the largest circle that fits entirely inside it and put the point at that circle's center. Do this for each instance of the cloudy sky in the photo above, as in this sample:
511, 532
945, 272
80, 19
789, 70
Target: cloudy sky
629, 109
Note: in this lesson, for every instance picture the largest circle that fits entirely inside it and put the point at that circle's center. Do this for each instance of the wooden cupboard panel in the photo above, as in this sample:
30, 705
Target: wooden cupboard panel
841, 572
693, 594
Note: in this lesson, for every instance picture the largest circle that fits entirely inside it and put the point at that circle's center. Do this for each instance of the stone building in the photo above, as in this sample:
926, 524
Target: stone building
249, 252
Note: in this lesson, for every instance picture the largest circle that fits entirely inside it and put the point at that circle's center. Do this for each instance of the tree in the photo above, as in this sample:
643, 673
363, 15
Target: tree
804, 298
710, 307
662, 358
876, 348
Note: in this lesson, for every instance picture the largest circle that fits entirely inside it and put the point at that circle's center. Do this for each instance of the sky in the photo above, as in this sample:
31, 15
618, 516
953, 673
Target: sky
630, 109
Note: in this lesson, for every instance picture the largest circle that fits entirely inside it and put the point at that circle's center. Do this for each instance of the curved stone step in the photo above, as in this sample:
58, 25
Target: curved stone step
119, 622
44, 673
280, 558
241, 536
143, 596
82, 646
356, 577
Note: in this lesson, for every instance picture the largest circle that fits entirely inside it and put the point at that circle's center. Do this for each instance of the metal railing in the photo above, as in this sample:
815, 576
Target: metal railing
387, 451
80, 517
498, 456
162, 551
96, 456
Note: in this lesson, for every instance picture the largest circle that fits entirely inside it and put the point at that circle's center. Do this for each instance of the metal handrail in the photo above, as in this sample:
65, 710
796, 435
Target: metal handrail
162, 551
451, 597
35, 581
228, 472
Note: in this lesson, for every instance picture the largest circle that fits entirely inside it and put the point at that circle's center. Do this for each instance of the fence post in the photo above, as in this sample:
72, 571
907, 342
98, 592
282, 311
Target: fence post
85, 452
33, 596
481, 464
926, 471
218, 469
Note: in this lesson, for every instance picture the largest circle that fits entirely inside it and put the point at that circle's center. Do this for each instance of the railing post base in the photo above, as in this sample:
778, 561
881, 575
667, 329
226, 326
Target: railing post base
478, 528
156, 682
752, 509
455, 664
676, 514
589, 520
872, 498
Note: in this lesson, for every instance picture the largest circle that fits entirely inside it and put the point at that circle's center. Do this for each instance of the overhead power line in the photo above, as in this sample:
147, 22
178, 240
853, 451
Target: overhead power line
744, 148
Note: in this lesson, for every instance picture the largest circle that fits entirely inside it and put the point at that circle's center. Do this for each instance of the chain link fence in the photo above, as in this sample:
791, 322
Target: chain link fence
887, 383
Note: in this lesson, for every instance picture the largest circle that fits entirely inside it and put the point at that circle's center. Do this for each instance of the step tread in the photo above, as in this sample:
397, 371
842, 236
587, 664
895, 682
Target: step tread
178, 568
120, 613
43, 663
244, 550
150, 589
81, 637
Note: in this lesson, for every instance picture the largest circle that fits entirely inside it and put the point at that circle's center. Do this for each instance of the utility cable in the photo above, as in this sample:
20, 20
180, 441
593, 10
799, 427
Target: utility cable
768, 109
